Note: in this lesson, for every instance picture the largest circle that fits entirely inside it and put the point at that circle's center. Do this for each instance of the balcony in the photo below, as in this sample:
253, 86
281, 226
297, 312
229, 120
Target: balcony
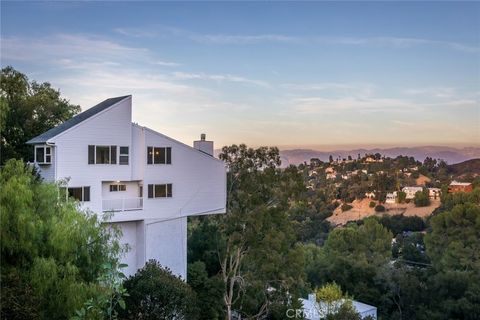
123, 204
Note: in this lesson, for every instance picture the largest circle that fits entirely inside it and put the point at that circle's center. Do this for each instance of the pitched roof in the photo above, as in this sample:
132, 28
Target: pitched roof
44, 137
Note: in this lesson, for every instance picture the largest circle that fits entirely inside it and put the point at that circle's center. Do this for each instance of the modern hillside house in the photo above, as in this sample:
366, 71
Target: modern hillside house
148, 183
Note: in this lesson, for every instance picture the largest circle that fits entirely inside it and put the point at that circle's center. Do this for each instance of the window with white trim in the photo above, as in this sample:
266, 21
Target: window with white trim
159, 155
43, 154
102, 154
160, 190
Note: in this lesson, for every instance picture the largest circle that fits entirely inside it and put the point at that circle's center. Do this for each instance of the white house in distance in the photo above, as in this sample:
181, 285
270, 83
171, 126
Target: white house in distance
149, 182
410, 191
312, 310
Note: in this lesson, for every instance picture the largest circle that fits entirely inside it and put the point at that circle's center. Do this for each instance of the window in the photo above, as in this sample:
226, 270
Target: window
118, 187
157, 155
160, 190
123, 158
102, 154
43, 154
79, 193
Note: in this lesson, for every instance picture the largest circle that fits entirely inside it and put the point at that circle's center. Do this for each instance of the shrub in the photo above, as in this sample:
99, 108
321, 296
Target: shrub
346, 207
372, 204
399, 223
155, 293
401, 197
422, 198
379, 208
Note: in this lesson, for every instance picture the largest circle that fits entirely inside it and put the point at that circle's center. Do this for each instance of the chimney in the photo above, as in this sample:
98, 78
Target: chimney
204, 145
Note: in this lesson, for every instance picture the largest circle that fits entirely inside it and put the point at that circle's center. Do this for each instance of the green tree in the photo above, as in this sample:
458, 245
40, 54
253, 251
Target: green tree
422, 198
259, 261
333, 304
453, 248
155, 293
353, 255
52, 253
27, 110
209, 291
401, 196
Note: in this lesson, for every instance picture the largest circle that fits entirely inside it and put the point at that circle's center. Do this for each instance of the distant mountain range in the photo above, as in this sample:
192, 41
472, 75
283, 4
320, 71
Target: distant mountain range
448, 154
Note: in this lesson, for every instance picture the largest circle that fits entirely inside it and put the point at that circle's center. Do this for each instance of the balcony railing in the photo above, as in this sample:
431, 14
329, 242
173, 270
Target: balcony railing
126, 204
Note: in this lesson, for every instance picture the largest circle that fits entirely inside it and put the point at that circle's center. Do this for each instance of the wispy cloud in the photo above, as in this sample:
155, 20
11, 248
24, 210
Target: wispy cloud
77, 48
437, 92
359, 90
219, 77
319, 105
249, 39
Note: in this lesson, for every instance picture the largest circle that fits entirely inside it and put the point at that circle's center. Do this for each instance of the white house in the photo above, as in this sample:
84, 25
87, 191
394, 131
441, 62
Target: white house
434, 193
148, 182
410, 191
312, 310
391, 197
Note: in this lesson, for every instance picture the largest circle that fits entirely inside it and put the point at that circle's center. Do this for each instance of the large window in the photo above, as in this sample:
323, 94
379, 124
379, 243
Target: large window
102, 154
79, 193
160, 190
123, 157
43, 154
156, 155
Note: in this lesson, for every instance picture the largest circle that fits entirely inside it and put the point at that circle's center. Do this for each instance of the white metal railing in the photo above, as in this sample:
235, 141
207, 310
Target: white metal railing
124, 204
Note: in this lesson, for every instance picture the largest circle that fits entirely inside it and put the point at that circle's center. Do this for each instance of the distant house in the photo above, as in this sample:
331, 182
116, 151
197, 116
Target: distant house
456, 187
434, 193
370, 195
410, 191
332, 176
330, 170
312, 310
391, 197
312, 173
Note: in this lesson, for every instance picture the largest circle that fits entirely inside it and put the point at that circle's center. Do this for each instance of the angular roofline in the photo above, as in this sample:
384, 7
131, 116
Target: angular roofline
76, 120
179, 142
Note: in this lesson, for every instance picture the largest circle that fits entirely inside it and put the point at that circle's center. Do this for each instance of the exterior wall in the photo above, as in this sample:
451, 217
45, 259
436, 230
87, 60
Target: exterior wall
48, 171
460, 188
138, 152
198, 181
129, 237
166, 242
111, 127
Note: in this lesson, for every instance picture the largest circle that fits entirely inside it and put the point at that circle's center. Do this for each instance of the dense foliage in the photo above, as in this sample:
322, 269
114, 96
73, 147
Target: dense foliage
155, 293
52, 253
27, 110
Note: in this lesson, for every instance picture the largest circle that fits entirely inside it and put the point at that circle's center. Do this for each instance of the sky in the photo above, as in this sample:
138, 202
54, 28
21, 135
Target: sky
321, 75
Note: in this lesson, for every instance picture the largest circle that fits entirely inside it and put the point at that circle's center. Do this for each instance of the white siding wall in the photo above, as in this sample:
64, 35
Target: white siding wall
112, 127
131, 192
48, 171
138, 154
129, 237
166, 242
199, 181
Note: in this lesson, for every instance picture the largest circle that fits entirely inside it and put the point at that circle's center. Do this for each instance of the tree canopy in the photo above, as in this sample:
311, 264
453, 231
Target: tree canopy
27, 109
52, 253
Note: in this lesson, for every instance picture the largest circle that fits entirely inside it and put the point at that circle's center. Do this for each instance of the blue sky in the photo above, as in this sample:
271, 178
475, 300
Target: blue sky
312, 74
